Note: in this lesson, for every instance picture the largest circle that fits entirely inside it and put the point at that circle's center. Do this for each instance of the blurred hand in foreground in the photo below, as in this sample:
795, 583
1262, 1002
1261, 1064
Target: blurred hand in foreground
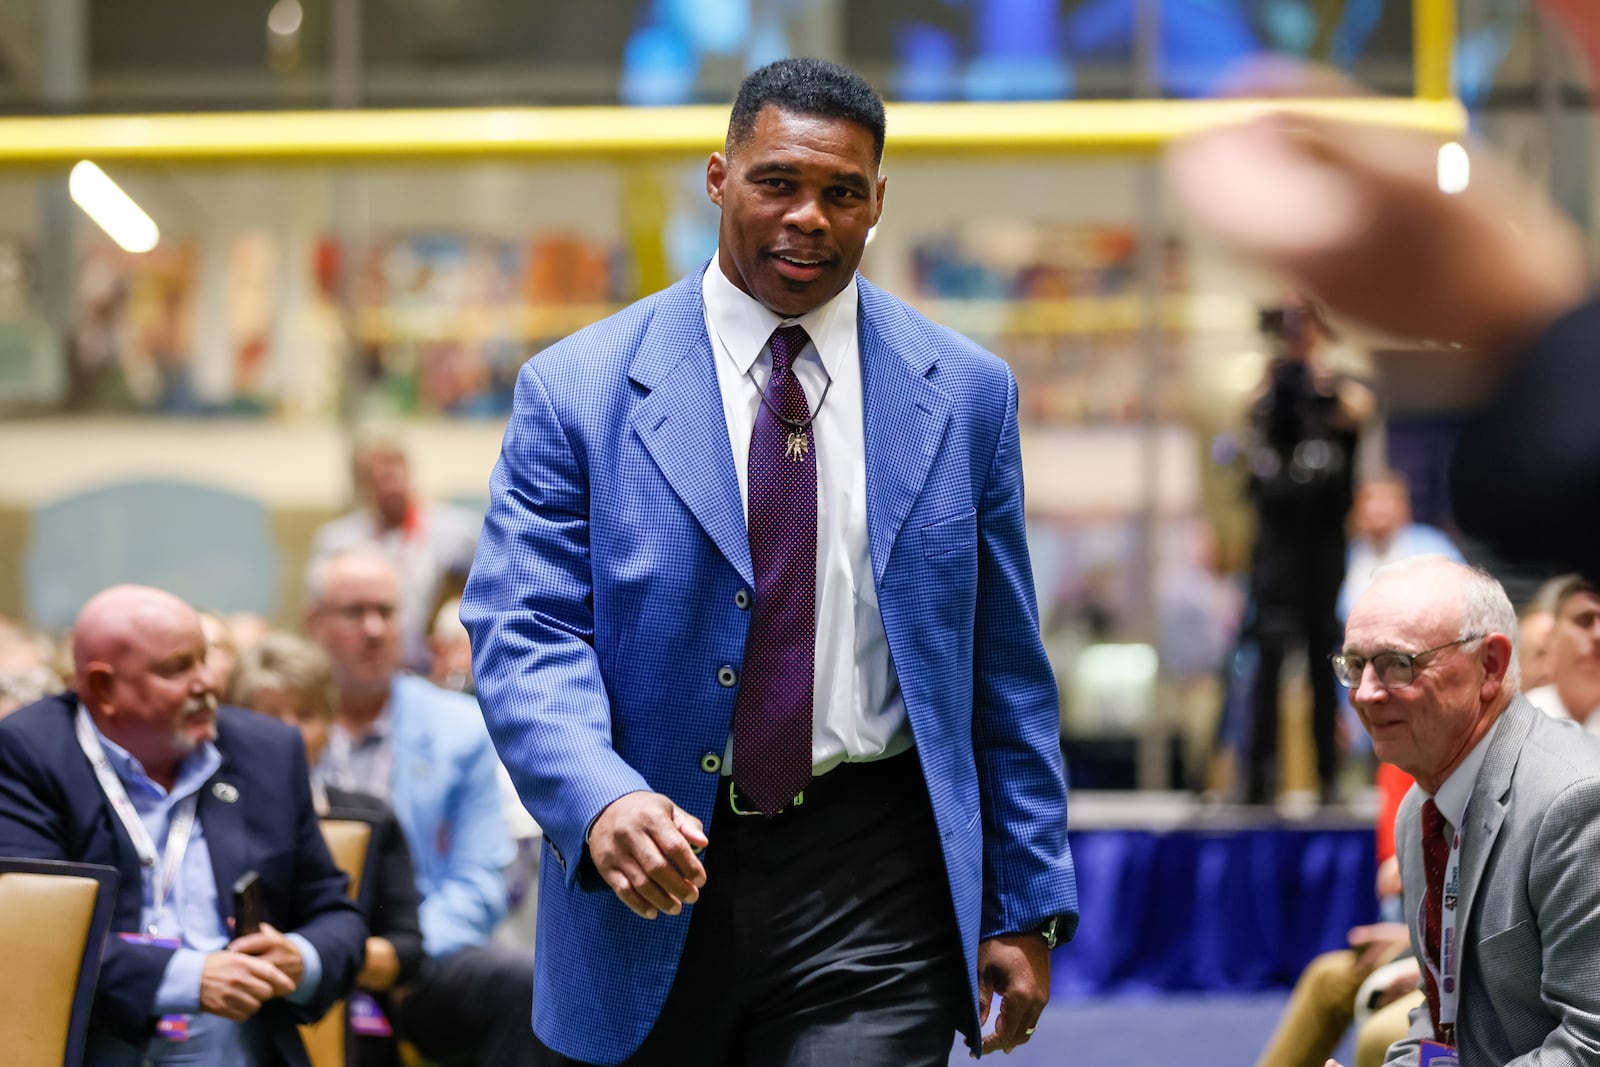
1355, 216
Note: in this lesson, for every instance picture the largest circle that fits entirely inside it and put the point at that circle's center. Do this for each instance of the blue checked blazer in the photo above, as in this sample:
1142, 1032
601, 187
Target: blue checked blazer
601, 607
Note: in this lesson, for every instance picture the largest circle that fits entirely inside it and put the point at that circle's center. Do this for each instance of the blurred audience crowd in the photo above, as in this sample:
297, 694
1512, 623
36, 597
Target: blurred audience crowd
379, 684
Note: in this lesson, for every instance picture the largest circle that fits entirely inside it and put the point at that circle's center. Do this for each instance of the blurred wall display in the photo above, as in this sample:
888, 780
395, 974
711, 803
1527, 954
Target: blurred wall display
134, 347
445, 321
440, 324
32, 375
1060, 303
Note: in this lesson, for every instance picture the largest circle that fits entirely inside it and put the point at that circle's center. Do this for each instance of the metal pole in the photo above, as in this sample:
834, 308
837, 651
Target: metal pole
347, 195
64, 84
1156, 740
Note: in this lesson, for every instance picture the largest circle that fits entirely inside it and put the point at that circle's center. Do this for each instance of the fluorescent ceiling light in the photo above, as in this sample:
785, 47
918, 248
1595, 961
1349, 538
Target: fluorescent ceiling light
113, 210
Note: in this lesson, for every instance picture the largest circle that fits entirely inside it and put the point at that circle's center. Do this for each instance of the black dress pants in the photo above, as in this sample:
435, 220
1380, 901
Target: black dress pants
824, 937
472, 1009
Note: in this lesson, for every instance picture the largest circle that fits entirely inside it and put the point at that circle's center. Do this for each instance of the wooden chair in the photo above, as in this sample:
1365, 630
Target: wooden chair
54, 919
350, 842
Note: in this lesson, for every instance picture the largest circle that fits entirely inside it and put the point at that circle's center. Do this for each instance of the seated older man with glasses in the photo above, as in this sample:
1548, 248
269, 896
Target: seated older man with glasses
1499, 840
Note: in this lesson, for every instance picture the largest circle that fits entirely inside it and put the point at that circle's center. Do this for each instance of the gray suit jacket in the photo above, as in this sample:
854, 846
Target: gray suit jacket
1530, 897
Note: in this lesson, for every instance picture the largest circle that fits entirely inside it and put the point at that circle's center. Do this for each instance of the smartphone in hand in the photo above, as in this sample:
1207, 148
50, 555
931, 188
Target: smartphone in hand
247, 904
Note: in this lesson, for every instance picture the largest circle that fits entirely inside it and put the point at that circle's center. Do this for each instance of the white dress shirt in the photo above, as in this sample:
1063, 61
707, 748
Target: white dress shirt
1456, 790
858, 712
1547, 698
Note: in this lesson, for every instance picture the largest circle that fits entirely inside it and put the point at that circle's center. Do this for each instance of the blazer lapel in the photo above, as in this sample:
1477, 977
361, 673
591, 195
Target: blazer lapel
1487, 809
905, 419
221, 813
682, 424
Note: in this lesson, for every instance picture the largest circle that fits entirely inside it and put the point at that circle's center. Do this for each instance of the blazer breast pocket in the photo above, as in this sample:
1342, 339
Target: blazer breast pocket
1513, 954
951, 539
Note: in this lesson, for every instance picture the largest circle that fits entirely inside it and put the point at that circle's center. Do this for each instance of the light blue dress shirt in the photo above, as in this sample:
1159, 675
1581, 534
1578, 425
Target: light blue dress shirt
195, 917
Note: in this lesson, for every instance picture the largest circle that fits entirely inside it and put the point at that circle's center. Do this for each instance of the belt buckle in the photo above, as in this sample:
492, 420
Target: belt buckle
733, 801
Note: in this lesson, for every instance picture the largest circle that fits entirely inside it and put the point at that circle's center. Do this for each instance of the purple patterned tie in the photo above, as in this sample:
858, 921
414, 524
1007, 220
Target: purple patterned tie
772, 712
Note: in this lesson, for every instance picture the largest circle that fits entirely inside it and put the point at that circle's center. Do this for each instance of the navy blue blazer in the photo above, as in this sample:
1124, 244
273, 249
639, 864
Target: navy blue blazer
52, 807
606, 602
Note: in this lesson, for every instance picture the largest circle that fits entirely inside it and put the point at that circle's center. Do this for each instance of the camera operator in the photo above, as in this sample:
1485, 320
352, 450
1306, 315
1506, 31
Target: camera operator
1304, 424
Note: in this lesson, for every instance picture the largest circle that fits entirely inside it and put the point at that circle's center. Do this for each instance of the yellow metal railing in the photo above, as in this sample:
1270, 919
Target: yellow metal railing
589, 133
381, 136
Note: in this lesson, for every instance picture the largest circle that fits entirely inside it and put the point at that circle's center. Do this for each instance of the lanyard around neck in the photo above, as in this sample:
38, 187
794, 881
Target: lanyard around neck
179, 829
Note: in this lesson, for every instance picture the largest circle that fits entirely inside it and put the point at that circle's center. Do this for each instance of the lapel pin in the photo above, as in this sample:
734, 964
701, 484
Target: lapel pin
225, 792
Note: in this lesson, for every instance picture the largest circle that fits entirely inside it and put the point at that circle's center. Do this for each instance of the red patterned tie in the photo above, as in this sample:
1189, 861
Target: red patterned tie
1435, 854
772, 712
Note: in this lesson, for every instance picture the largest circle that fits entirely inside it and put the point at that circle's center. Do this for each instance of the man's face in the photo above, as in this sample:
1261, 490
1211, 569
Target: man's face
221, 656
298, 710
355, 621
1533, 648
158, 698
1427, 726
1382, 508
798, 198
1575, 642
383, 480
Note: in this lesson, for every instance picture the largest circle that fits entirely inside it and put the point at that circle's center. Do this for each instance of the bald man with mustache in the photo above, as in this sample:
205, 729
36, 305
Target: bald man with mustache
141, 770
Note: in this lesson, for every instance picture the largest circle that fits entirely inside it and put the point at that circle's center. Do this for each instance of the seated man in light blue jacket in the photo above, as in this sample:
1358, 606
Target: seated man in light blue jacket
425, 750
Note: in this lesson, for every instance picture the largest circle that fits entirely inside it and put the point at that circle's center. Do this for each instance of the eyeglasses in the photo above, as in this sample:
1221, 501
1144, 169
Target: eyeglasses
1395, 670
358, 612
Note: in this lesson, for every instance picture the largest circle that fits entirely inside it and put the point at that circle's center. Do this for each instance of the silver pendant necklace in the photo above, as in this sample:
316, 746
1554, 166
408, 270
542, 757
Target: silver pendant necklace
797, 444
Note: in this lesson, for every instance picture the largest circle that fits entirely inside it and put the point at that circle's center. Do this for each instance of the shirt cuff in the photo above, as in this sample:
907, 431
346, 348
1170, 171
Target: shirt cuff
310, 971
179, 991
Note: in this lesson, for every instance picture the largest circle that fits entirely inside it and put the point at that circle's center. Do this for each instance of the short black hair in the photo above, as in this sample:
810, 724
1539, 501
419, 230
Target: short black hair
807, 86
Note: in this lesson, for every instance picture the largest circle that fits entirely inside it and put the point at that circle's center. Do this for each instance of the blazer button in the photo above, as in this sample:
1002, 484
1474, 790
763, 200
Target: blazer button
711, 762
741, 600
726, 676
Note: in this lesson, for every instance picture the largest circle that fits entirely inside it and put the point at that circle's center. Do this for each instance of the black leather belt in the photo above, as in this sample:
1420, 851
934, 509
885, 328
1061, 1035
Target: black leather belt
845, 781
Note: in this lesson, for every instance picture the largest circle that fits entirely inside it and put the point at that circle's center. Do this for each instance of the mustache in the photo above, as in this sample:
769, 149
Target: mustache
200, 704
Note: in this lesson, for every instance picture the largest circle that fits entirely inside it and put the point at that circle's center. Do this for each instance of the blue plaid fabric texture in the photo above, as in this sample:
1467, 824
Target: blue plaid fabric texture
608, 633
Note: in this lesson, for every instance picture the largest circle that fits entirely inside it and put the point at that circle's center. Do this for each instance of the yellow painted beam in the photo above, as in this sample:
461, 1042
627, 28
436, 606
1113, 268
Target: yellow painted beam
544, 134
1433, 34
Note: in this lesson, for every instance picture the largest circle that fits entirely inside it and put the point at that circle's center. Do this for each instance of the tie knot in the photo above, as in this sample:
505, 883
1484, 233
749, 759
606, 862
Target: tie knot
1432, 822
786, 343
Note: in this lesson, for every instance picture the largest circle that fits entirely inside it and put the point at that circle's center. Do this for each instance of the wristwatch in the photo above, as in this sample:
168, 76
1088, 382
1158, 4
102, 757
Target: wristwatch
1050, 930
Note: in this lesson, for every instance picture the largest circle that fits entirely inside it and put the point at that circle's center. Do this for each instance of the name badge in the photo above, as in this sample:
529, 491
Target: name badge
151, 939
1436, 1055
366, 1018
173, 1028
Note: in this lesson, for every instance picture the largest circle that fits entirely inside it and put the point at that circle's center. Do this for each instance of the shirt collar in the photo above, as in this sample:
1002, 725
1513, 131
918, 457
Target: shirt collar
193, 772
1456, 790
744, 325
377, 731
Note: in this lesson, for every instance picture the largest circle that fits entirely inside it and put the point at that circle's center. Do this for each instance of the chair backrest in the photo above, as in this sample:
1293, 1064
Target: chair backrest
54, 919
349, 841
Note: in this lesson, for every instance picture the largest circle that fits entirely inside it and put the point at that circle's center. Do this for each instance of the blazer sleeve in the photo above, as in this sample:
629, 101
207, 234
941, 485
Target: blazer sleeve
1028, 874
529, 607
1408, 846
463, 907
393, 914
1525, 476
34, 808
319, 907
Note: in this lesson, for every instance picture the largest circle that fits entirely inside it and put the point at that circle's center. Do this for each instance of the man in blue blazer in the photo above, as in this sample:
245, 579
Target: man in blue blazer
139, 762
424, 751
754, 631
